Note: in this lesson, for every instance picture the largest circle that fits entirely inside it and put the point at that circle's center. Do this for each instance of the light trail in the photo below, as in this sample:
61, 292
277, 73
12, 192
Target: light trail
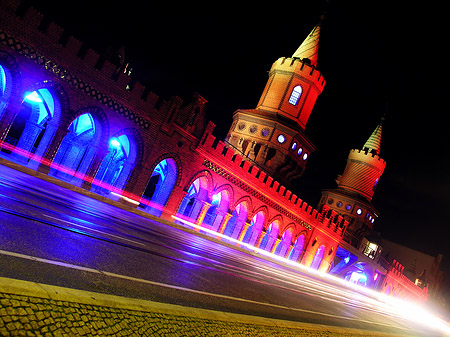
376, 300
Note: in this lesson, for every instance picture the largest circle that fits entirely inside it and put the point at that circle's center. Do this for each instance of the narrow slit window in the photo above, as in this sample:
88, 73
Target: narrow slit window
295, 95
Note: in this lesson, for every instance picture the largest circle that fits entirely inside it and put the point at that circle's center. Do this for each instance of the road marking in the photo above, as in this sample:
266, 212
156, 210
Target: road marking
170, 286
94, 230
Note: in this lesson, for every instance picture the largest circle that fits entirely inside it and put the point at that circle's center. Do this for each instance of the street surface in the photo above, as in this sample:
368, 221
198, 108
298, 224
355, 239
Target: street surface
52, 235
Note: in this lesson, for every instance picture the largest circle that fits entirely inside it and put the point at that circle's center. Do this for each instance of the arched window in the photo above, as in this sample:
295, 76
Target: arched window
4, 92
295, 95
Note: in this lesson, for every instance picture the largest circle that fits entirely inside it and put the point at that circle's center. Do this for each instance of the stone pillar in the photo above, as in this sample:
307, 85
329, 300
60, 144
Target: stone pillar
43, 147
260, 238
201, 215
275, 245
26, 142
222, 227
57, 134
92, 172
291, 247
243, 231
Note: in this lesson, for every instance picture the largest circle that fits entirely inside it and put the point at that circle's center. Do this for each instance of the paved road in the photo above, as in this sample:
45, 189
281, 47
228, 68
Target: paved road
52, 235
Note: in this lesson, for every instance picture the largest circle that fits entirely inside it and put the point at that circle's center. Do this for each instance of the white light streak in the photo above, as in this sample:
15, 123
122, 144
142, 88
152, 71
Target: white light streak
346, 292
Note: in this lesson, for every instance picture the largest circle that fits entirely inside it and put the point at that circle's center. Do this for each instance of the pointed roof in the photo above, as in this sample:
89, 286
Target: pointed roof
373, 144
310, 47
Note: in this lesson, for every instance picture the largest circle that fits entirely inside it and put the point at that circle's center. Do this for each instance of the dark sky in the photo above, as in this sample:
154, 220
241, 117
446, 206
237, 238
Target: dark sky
376, 56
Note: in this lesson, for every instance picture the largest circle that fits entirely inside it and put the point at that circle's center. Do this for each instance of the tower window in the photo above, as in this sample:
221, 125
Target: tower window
295, 95
281, 139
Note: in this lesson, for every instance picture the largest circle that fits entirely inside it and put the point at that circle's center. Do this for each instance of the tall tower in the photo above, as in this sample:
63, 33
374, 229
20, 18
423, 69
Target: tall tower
356, 186
273, 135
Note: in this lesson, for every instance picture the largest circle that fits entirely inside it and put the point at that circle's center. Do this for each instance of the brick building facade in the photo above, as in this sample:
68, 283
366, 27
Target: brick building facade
73, 114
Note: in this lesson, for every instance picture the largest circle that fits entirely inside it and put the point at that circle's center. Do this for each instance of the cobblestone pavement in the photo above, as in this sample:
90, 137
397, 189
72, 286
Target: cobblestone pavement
22, 315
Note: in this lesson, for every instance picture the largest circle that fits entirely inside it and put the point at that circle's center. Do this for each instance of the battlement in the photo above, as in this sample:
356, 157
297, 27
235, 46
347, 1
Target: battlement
232, 166
365, 156
302, 67
397, 269
50, 42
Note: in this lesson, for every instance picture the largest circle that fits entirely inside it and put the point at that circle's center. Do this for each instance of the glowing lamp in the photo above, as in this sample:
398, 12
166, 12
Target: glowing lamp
33, 97
114, 143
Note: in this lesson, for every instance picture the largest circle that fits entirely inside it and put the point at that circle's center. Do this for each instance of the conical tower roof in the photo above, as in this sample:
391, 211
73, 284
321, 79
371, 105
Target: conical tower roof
310, 47
373, 144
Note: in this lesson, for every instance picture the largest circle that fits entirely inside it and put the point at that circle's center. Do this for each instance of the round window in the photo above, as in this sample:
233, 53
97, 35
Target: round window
253, 129
294, 146
359, 211
348, 207
281, 139
241, 126
339, 204
265, 132
300, 150
305, 156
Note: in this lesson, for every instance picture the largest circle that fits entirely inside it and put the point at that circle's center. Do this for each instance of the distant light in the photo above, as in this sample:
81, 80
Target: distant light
33, 97
115, 143
216, 199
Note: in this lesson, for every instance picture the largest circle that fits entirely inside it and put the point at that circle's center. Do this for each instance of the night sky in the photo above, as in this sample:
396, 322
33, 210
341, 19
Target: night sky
376, 56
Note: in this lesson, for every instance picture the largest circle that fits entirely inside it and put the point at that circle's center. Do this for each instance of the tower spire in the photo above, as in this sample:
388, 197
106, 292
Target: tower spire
373, 144
310, 47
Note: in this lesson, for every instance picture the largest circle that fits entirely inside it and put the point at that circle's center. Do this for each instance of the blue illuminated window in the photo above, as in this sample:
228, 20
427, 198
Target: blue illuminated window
2, 81
295, 95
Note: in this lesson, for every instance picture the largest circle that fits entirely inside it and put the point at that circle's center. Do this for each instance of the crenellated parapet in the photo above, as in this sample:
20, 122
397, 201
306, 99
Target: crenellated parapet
223, 161
398, 285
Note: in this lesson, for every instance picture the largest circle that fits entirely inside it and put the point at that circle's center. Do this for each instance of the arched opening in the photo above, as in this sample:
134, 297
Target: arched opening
297, 250
34, 126
77, 150
295, 95
237, 220
193, 202
318, 257
359, 273
160, 186
285, 243
220, 202
5, 88
255, 228
271, 236
116, 167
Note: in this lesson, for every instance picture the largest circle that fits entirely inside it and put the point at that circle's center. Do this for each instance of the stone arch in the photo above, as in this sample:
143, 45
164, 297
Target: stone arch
204, 173
278, 218
85, 133
220, 200
174, 156
239, 217
138, 142
298, 246
272, 231
36, 121
11, 83
197, 195
246, 199
257, 223
164, 177
285, 242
